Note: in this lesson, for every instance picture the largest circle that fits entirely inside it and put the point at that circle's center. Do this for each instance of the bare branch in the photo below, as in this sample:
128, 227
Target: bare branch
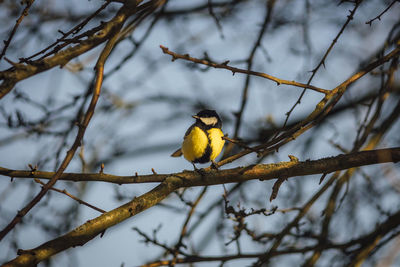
65, 192
78, 140
92, 228
24, 13
234, 70
383, 12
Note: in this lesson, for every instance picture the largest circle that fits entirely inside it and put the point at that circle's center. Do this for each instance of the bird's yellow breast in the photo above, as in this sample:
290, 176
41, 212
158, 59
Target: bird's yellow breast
217, 143
202, 146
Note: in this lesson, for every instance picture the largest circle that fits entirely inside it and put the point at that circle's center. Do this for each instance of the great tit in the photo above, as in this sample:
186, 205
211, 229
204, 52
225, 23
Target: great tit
203, 140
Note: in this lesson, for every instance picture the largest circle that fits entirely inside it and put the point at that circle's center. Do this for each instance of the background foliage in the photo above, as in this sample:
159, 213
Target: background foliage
86, 88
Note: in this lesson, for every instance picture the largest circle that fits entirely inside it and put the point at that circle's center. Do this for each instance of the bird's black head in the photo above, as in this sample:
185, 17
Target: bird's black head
209, 118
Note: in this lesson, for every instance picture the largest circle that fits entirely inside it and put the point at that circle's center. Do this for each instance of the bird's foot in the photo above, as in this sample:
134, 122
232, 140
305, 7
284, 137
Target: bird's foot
200, 171
214, 165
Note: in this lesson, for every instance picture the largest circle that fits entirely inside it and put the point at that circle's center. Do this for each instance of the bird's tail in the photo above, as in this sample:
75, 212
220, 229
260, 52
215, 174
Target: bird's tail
177, 153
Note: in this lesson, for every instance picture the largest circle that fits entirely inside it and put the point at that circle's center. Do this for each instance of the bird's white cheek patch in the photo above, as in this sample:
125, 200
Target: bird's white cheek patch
209, 121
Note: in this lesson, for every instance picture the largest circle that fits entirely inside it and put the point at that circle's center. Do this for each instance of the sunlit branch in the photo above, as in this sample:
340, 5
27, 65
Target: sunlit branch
81, 131
322, 61
237, 70
239, 174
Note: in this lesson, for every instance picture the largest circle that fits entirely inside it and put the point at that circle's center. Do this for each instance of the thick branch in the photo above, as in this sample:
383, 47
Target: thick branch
99, 35
88, 177
92, 228
89, 230
239, 174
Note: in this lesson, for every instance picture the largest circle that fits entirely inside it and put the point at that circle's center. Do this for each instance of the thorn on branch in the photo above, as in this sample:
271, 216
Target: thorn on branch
206, 57
322, 178
275, 188
33, 168
20, 213
135, 177
101, 168
23, 251
293, 158
153, 171
102, 233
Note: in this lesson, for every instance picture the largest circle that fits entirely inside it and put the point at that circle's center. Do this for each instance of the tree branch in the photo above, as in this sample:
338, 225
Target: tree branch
234, 70
92, 228
239, 174
17, 23
81, 132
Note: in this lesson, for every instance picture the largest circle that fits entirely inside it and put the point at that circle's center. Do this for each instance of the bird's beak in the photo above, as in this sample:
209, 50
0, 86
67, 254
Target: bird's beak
195, 117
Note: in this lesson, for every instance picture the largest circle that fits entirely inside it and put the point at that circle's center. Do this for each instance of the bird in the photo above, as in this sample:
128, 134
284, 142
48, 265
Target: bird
203, 140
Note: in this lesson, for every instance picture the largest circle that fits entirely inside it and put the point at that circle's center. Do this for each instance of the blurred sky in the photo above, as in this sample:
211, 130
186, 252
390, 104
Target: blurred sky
140, 79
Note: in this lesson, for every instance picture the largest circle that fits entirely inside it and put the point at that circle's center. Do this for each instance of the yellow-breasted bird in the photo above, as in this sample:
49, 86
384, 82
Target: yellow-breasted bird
203, 140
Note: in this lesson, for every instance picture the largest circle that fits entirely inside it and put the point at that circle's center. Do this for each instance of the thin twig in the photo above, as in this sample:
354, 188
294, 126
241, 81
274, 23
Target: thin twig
74, 30
237, 70
24, 13
238, 142
321, 63
239, 114
383, 12
78, 140
65, 192
322, 109
185, 225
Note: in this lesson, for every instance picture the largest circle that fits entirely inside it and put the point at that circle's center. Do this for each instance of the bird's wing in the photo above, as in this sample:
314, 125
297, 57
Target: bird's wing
177, 153
189, 130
